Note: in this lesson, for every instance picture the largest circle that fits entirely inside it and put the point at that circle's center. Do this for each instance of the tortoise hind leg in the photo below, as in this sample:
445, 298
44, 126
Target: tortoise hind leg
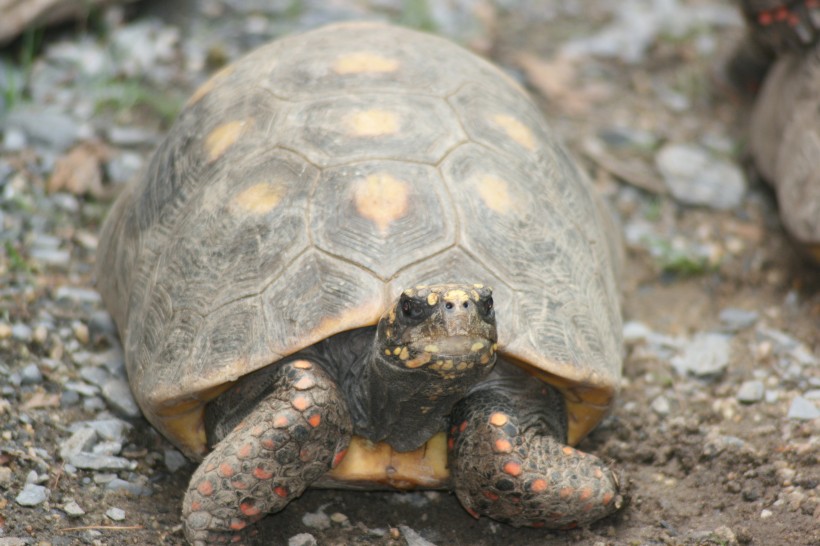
509, 460
291, 437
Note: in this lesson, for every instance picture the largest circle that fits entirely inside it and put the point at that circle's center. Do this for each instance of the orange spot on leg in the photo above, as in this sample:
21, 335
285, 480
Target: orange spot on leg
338, 458
462, 426
281, 421
513, 468
502, 445
607, 498
262, 474
586, 494
315, 419
538, 486
225, 470
281, 491
245, 451
301, 402
473, 513
249, 509
566, 492
490, 495
499, 419
451, 443
305, 382
302, 364
205, 488
238, 524
568, 450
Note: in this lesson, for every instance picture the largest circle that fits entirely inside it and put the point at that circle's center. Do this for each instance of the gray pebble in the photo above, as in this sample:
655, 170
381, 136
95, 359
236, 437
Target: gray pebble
302, 539
803, 409
21, 332
107, 448
72, 509
635, 332
50, 257
751, 392
124, 167
32, 495
132, 136
31, 375
174, 460
116, 514
695, 177
79, 295
92, 374
116, 392
13, 541
735, 319
136, 489
14, 139
55, 129
5, 476
69, 398
81, 388
93, 404
316, 520
110, 429
101, 321
413, 538
89, 461
813, 395
660, 405
707, 355
81, 440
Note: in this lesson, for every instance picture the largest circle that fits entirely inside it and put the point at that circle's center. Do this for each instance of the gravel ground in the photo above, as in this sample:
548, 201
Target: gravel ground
717, 425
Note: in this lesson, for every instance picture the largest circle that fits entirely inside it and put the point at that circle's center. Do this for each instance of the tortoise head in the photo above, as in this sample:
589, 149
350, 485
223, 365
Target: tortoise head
449, 329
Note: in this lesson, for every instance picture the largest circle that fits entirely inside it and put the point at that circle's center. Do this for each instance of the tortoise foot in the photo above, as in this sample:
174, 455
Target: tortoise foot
508, 465
290, 439
783, 24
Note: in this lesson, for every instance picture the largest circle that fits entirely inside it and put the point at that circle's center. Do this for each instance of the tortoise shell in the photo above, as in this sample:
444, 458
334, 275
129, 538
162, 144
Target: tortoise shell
304, 186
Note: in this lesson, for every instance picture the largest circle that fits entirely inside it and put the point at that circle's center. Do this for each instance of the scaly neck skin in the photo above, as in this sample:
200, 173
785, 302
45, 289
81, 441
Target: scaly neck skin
402, 407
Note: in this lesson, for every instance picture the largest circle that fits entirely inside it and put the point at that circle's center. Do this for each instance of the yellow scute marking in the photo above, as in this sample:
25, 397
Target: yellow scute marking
516, 130
223, 137
381, 199
369, 123
363, 62
209, 85
495, 194
258, 199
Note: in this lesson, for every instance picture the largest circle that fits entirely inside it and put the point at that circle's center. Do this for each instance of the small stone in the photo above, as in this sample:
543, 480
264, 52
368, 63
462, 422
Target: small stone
31, 375
5, 331
32, 495
69, 398
707, 355
695, 177
725, 535
94, 374
80, 441
751, 392
635, 332
338, 517
117, 394
79, 295
13, 541
413, 538
766, 514
109, 429
136, 489
174, 460
80, 332
81, 388
40, 334
5, 476
116, 514
89, 461
123, 167
107, 448
49, 256
803, 409
660, 405
21, 332
302, 539
316, 520
72, 509
737, 319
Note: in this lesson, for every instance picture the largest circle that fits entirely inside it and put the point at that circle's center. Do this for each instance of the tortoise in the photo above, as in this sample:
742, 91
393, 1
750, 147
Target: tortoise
361, 258
781, 59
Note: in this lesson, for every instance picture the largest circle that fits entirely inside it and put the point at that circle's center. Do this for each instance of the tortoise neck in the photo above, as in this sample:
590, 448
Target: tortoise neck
402, 407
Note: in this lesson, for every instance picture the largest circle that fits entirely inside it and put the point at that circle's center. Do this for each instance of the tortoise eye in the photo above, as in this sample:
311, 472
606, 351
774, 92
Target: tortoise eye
413, 309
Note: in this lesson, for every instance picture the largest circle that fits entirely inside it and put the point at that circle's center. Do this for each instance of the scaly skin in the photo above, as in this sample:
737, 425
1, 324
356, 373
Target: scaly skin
295, 434
783, 25
511, 464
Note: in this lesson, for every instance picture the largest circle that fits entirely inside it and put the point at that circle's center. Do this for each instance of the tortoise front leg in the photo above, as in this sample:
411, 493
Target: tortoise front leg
293, 436
509, 459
